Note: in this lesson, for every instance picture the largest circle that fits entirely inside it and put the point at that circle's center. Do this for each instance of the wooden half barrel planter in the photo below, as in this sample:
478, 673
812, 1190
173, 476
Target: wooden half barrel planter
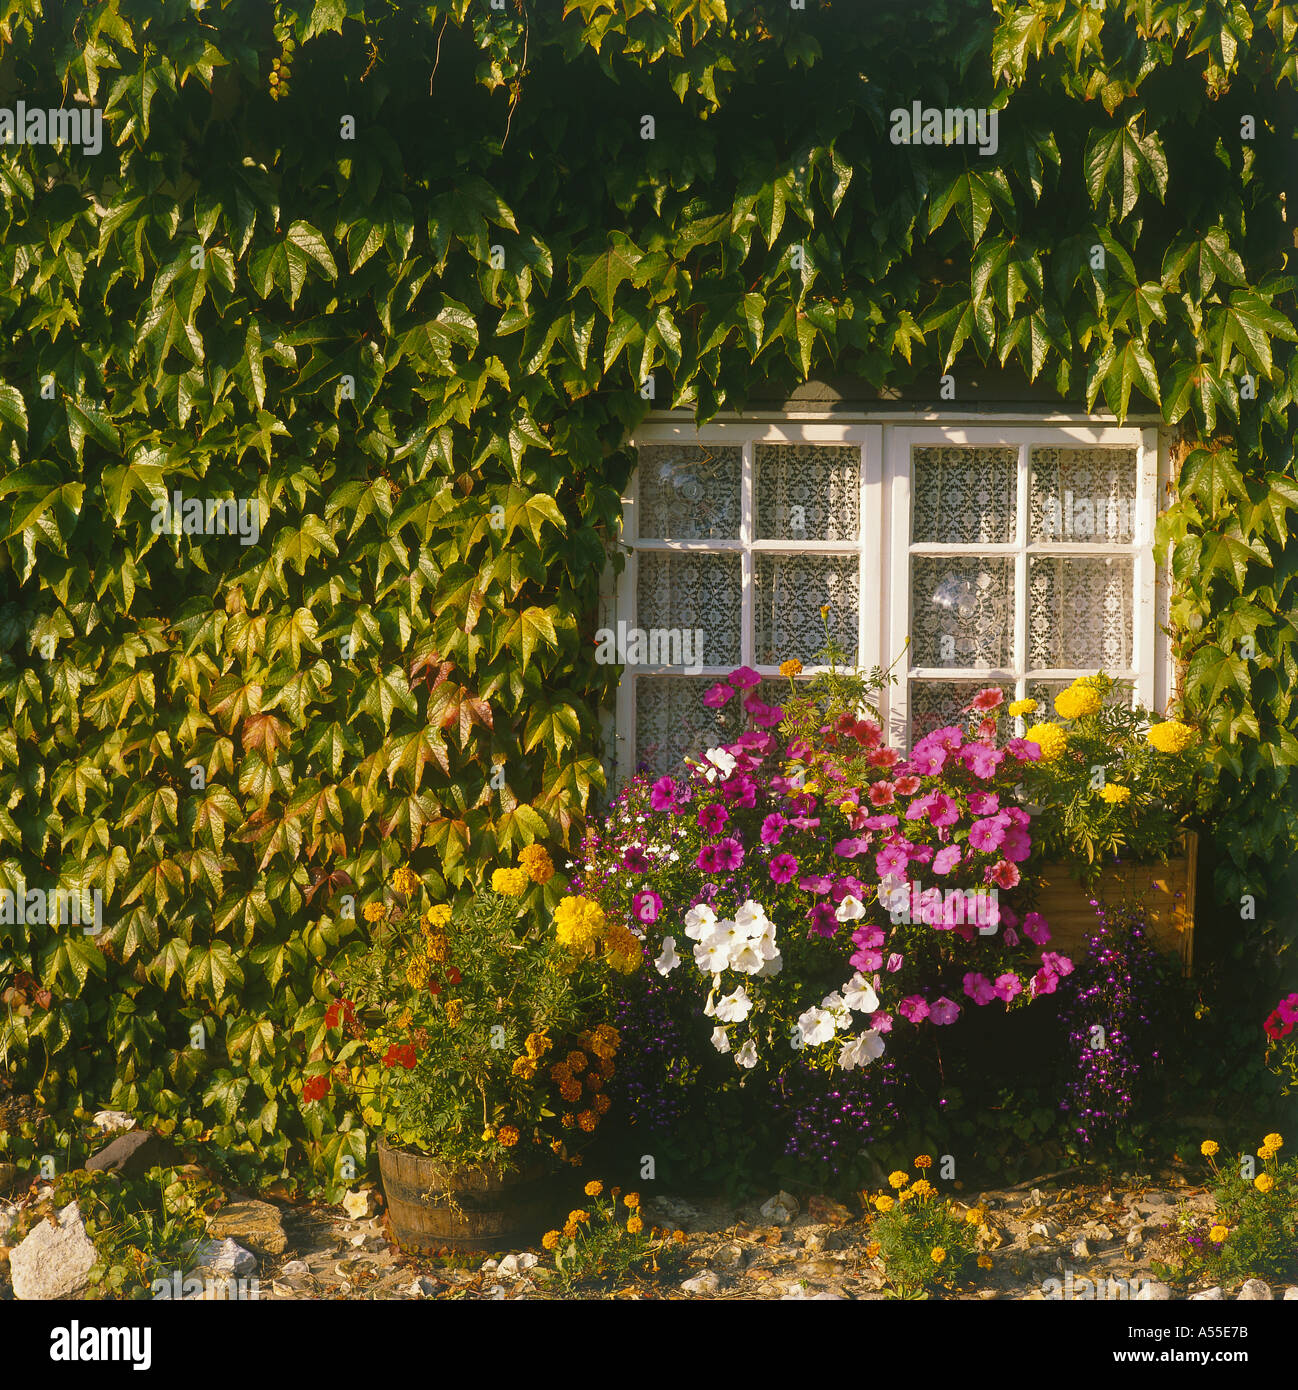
1165, 893
433, 1208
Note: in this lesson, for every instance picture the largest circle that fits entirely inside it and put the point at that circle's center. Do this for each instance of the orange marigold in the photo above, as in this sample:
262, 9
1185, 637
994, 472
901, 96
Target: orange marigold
507, 1135
588, 1120
576, 1062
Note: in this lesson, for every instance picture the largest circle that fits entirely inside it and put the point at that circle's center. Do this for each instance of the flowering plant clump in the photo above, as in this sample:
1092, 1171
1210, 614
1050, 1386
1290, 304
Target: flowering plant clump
466, 1032
1109, 780
1254, 1231
923, 1240
608, 1239
817, 893
1282, 1041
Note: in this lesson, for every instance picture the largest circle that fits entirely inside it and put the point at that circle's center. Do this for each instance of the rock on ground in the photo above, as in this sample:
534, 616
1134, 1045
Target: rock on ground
1255, 1290
132, 1154
256, 1225
224, 1257
53, 1261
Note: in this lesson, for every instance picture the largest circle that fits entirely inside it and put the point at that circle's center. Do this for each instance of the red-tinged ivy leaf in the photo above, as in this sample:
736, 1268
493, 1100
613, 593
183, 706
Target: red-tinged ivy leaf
331, 884
234, 701
266, 733
273, 833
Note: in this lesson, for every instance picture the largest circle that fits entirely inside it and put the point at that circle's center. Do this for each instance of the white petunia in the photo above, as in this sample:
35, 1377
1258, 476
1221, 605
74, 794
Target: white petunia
721, 1040
668, 960
834, 1006
850, 909
721, 760
816, 1026
713, 955
752, 918
747, 1055
858, 994
861, 1051
734, 1007
771, 966
699, 921
746, 958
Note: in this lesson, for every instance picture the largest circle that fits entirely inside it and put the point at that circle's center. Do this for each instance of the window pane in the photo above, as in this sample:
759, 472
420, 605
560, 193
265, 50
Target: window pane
1079, 613
962, 611
964, 495
807, 492
689, 492
692, 591
1084, 495
671, 721
789, 592
937, 704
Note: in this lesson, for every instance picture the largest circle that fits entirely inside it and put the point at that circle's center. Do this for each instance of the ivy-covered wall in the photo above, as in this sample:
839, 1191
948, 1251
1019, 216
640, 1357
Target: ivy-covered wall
393, 276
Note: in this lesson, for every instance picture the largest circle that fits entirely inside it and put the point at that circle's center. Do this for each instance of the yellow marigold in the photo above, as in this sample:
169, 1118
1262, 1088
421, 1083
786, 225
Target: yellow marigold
570, 1090
1023, 707
535, 861
579, 1218
1050, 738
568, 1119
1171, 736
570, 1229
923, 1161
974, 1216
405, 881
1208, 1148
1264, 1182
631, 1201
419, 972
509, 883
937, 1254
556, 1146
679, 1237
524, 1067
922, 1188
898, 1179
1265, 1152
1076, 702
575, 1062
454, 1011
1218, 1234
559, 1073
374, 912
1115, 793
606, 1067
587, 1120
437, 949
984, 1261
601, 1104
824, 610
848, 807
593, 1188
489, 1133
872, 1250
508, 1135
635, 1225
884, 1202
1273, 1141
791, 667
594, 1081
537, 1045
550, 1240
437, 918
622, 949
578, 923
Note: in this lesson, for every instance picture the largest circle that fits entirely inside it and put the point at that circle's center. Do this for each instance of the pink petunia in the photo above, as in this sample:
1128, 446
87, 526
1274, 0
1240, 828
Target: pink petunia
943, 1011
879, 822
943, 811
763, 715
845, 887
709, 859
772, 829
981, 760
783, 867
907, 785
1004, 874
927, 762
815, 883
871, 936
919, 807
890, 860
851, 847
984, 803
646, 906
664, 795
744, 678
894, 962
1052, 960
1025, 752
1044, 982
717, 695
864, 959
946, 859
881, 794
881, 1023
1008, 986
979, 988
914, 1007
986, 835
712, 819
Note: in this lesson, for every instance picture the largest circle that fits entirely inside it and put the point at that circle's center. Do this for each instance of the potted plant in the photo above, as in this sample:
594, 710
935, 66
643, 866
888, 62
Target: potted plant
1114, 790
466, 1034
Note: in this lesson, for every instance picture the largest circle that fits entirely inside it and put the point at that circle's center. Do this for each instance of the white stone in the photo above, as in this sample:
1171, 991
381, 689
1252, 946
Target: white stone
1154, 1292
295, 1269
1213, 1295
704, 1282
1255, 1290
495, 1293
489, 1266
514, 1265
1290, 1293
1081, 1250
1134, 1239
111, 1121
801, 1295
8, 1220
729, 1256
781, 1208
53, 1261
422, 1287
224, 1257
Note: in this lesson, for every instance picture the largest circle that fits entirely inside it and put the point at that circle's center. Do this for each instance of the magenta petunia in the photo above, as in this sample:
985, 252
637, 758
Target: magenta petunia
717, 695
927, 762
1023, 751
783, 867
979, 988
864, 959
943, 811
822, 919
772, 829
946, 859
851, 847
1045, 982
981, 760
879, 822
646, 906
986, 835
919, 807
709, 859
763, 715
664, 795
1008, 986
845, 887
1017, 845
635, 860
871, 936
1052, 960
712, 819
730, 852
816, 883
891, 860
894, 962
984, 803
943, 1011
914, 1007
744, 678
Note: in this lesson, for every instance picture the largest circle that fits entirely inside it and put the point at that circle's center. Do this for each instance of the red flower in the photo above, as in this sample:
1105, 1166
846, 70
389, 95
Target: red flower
1276, 1027
317, 1088
434, 987
341, 1011
452, 976
403, 1056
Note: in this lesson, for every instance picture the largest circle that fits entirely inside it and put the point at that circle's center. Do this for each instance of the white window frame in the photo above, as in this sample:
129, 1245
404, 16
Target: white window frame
883, 545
